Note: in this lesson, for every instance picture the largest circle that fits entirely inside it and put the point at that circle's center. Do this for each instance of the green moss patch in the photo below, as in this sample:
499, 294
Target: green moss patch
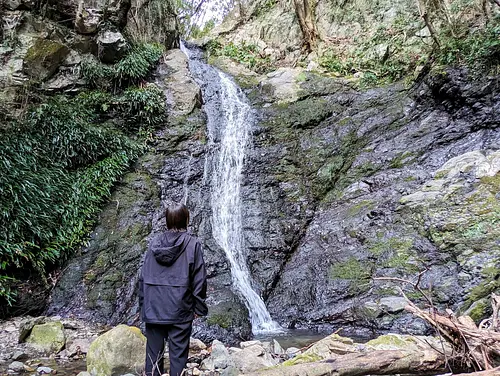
44, 58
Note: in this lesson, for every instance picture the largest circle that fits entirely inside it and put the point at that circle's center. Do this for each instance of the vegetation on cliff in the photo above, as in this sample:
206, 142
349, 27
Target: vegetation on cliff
59, 161
375, 43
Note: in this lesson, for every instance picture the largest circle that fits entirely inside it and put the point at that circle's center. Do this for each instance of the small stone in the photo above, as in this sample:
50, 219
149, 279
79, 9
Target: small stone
10, 329
246, 344
48, 337
12, 4
196, 345
393, 304
84, 374
44, 370
196, 372
18, 355
277, 349
16, 366
292, 352
28, 368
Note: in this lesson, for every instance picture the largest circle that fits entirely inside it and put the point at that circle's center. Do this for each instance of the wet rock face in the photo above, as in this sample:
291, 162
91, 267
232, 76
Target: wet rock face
339, 186
360, 185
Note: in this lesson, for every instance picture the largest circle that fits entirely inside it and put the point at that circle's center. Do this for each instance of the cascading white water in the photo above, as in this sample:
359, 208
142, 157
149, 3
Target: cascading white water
226, 200
230, 119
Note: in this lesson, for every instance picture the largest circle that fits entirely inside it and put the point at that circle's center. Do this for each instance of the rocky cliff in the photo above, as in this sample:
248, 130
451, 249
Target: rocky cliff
341, 185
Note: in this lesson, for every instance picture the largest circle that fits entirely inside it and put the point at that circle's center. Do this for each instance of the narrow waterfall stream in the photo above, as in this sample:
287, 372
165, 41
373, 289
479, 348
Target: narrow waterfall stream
230, 119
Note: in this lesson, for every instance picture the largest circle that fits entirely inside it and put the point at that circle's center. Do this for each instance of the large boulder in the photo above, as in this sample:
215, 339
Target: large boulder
112, 46
44, 58
219, 358
282, 85
183, 94
117, 352
252, 358
326, 348
47, 338
87, 20
117, 12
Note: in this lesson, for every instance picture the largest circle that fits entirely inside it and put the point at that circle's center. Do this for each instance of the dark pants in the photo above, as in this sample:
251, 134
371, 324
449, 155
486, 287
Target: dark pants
178, 347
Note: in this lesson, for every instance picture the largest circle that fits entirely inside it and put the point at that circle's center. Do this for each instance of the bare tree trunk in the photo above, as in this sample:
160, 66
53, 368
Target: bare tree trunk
387, 362
422, 8
305, 15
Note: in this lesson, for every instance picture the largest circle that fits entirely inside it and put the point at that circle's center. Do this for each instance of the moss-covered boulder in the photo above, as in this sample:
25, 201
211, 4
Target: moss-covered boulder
325, 349
404, 342
44, 58
117, 352
47, 338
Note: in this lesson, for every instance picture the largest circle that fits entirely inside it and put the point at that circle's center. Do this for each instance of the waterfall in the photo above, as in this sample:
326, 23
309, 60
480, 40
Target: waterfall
230, 119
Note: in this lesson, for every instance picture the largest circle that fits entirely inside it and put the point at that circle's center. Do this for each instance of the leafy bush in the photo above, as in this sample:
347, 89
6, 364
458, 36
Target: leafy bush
142, 107
55, 171
245, 54
59, 163
478, 48
132, 69
138, 63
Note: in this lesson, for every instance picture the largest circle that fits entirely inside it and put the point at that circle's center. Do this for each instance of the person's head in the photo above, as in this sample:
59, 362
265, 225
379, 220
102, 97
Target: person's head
177, 216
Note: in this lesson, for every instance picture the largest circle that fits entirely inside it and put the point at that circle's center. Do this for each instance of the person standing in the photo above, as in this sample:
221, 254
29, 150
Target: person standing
172, 291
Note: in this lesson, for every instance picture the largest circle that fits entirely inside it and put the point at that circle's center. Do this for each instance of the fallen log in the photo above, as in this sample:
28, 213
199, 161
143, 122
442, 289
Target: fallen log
384, 362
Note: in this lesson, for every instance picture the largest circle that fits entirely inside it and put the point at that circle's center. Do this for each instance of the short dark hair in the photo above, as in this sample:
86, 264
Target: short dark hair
177, 216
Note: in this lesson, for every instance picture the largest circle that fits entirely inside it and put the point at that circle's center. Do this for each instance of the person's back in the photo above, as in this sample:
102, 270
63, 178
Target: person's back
172, 291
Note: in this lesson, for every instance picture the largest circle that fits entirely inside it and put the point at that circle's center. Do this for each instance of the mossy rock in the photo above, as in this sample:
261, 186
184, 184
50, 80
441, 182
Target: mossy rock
44, 58
393, 342
302, 358
479, 310
117, 352
48, 338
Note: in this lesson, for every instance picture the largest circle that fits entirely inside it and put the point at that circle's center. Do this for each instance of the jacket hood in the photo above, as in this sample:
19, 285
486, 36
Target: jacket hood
167, 247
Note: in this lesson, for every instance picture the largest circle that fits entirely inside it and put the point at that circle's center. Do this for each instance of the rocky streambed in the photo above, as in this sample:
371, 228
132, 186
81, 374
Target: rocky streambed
49, 345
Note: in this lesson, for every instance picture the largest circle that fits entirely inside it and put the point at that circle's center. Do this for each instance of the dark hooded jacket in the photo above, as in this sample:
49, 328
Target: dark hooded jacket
173, 281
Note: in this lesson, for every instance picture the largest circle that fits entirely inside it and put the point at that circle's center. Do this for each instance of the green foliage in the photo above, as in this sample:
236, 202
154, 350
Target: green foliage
56, 168
478, 49
351, 269
245, 54
197, 32
5, 289
265, 7
393, 52
59, 163
138, 63
378, 57
132, 69
142, 107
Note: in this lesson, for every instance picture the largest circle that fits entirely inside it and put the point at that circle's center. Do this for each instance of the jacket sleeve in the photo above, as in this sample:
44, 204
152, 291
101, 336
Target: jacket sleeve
199, 282
141, 290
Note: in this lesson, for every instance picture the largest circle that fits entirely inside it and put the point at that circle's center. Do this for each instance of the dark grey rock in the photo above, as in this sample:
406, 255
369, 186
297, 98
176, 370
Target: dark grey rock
16, 366
112, 46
